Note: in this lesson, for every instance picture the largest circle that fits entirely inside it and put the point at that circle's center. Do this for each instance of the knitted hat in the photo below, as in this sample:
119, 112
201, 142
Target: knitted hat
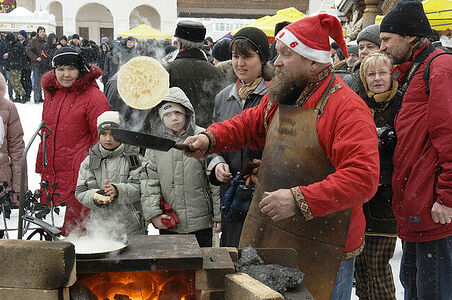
23, 33
105, 40
108, 120
168, 107
352, 49
171, 102
407, 17
190, 31
257, 38
371, 34
68, 56
309, 37
75, 36
221, 51
63, 37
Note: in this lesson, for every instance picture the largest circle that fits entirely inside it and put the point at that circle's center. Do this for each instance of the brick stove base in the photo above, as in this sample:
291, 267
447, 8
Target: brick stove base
46, 270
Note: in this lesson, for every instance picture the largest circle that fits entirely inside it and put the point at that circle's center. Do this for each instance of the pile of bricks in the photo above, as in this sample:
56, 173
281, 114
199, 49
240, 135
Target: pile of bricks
218, 280
36, 270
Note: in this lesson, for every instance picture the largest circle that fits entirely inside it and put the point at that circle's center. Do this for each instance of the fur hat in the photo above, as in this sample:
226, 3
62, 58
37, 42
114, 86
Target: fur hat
75, 36
221, 51
190, 31
257, 38
108, 120
407, 17
310, 37
371, 34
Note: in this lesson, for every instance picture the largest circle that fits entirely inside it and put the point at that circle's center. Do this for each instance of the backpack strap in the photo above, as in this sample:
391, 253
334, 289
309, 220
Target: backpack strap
408, 76
427, 71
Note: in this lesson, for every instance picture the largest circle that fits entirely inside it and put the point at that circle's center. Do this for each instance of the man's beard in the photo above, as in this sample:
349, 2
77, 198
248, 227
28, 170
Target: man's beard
285, 89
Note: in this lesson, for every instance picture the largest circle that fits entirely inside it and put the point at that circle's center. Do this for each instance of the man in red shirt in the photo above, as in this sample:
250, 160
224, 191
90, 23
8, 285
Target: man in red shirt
343, 130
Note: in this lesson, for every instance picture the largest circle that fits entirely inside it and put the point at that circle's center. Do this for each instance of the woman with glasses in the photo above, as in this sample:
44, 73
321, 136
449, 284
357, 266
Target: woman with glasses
373, 273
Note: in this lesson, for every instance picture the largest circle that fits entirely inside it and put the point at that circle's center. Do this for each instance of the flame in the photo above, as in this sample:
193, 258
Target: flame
144, 285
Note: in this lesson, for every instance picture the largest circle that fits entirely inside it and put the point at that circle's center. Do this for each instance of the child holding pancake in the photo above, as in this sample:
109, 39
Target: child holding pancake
108, 181
181, 181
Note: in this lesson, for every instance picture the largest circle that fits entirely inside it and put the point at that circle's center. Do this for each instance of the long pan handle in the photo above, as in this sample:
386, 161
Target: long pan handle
183, 147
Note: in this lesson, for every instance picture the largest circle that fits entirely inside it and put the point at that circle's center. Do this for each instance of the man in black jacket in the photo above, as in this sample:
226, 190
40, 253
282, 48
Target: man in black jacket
15, 61
191, 71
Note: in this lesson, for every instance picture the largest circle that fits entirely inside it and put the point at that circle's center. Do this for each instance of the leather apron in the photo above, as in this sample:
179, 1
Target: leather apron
293, 157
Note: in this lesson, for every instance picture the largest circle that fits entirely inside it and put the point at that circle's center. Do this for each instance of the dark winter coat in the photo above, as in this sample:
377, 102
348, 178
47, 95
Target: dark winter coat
101, 57
47, 54
13, 144
16, 56
27, 64
71, 115
110, 67
3, 50
423, 154
34, 49
199, 80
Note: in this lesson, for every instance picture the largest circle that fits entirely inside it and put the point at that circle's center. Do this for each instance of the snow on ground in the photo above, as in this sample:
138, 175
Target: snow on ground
30, 116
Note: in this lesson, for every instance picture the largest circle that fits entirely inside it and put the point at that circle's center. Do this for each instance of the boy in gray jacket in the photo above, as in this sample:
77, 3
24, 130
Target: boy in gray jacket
181, 181
109, 181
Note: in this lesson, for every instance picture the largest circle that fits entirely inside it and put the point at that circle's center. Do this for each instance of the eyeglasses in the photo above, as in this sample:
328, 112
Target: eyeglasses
372, 75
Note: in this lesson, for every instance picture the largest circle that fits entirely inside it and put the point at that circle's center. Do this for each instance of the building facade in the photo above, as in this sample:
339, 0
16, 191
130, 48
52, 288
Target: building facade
95, 19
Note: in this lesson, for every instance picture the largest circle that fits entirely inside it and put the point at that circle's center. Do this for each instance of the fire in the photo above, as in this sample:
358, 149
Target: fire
145, 285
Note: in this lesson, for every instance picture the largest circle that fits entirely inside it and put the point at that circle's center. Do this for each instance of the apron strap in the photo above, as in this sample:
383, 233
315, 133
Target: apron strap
329, 90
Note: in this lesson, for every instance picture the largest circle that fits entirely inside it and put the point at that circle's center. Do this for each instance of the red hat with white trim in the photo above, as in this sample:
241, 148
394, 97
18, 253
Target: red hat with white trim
309, 37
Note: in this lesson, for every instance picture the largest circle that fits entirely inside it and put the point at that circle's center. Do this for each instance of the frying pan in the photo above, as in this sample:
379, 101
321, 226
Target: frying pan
145, 140
106, 248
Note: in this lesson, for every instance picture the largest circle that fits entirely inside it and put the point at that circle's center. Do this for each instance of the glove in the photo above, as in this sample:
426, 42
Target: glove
168, 210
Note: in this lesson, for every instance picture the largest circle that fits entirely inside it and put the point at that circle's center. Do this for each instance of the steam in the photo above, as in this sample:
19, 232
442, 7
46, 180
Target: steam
97, 228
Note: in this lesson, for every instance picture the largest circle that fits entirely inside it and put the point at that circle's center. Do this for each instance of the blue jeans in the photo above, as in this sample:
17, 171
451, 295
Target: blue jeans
5, 74
344, 280
426, 269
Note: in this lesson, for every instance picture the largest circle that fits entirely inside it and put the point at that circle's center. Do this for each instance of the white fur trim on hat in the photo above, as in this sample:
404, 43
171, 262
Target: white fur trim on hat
291, 41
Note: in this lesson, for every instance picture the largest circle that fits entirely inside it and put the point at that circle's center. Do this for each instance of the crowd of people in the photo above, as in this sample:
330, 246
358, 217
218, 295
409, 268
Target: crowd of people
380, 107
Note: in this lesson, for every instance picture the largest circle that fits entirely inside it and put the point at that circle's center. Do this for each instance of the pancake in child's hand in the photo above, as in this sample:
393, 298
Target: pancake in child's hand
101, 197
142, 82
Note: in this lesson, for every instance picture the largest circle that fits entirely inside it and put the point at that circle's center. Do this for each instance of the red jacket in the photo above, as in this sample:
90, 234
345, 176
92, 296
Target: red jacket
71, 114
423, 155
347, 135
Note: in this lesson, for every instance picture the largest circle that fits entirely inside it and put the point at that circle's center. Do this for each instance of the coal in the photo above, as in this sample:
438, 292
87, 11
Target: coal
277, 277
248, 257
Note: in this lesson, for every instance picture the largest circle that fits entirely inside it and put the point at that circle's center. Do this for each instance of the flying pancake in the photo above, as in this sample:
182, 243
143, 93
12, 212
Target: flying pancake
142, 82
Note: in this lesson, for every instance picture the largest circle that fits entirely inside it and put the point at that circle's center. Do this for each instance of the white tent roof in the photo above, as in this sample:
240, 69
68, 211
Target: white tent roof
21, 18
21, 12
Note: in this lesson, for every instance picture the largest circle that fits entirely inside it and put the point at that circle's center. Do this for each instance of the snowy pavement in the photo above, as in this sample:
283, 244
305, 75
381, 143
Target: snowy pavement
30, 116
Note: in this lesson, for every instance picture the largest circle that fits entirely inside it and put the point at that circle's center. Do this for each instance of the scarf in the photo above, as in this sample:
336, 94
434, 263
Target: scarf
247, 88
